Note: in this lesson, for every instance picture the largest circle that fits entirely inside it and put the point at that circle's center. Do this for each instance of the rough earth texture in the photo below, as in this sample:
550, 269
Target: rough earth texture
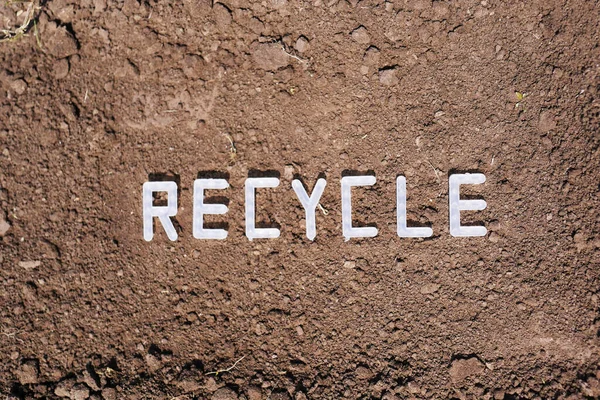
104, 95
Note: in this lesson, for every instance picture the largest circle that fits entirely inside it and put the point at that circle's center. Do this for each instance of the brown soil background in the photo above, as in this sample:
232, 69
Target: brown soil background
121, 92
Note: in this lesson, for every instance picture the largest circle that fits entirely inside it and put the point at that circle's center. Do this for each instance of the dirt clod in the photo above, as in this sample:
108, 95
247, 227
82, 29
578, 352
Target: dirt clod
464, 368
19, 86
4, 224
222, 15
109, 393
29, 265
29, 372
372, 56
254, 393
302, 44
270, 56
288, 172
494, 237
153, 362
79, 392
63, 388
363, 373
61, 43
91, 379
361, 35
546, 121
388, 76
224, 393
61, 68
429, 288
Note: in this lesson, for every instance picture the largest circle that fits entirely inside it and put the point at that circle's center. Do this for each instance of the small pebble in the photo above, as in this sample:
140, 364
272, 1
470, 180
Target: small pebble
360, 35
19, 86
288, 172
29, 265
29, 372
61, 68
4, 225
430, 288
302, 44
388, 77
494, 237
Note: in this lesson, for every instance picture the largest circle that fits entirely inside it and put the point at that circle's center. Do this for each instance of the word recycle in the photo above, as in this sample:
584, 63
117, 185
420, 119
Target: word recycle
309, 202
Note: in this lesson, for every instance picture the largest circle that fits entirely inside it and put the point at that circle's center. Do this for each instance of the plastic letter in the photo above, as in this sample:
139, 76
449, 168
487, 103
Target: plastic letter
162, 212
456, 205
250, 193
347, 229
310, 204
200, 209
403, 230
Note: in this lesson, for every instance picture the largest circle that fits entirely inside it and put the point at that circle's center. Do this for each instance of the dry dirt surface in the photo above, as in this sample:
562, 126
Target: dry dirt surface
101, 96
